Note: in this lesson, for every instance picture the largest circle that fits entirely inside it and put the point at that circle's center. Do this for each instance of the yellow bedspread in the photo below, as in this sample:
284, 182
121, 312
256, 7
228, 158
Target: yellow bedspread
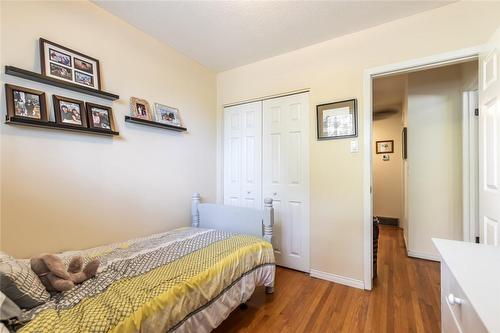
174, 273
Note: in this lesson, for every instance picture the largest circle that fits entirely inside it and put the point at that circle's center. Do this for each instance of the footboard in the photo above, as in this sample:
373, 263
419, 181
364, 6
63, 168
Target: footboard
250, 221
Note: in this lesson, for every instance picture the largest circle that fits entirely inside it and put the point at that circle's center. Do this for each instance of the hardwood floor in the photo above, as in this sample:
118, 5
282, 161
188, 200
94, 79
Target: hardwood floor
405, 298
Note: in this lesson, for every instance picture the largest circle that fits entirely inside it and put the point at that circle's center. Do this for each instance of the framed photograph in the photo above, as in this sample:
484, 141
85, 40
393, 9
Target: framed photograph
25, 103
100, 116
69, 111
337, 120
405, 143
139, 108
69, 65
385, 147
167, 115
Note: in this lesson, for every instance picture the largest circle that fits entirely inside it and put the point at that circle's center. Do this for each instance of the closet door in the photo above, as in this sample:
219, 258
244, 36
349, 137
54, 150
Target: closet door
286, 176
243, 155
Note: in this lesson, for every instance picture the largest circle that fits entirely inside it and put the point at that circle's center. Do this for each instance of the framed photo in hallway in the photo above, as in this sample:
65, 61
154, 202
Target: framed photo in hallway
405, 143
385, 147
337, 120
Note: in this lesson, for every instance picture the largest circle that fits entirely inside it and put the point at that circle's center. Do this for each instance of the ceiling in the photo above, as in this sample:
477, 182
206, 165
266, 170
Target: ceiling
225, 34
388, 93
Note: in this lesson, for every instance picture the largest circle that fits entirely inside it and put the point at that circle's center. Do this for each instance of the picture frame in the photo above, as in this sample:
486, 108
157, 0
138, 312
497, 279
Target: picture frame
337, 120
100, 117
167, 115
404, 135
384, 147
139, 108
69, 111
25, 103
68, 65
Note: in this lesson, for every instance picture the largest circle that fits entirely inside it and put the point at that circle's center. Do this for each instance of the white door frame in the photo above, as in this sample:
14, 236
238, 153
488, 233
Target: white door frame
470, 176
437, 60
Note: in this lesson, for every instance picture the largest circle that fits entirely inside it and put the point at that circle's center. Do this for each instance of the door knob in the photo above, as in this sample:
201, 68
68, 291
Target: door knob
248, 192
452, 299
275, 193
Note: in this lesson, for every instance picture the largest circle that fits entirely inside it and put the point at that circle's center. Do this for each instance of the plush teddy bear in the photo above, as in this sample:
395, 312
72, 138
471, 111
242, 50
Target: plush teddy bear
54, 276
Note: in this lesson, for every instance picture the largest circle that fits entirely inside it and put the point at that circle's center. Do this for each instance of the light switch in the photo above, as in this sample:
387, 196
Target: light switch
354, 146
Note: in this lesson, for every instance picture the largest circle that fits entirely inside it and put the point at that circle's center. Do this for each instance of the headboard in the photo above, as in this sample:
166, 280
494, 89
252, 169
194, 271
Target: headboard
250, 221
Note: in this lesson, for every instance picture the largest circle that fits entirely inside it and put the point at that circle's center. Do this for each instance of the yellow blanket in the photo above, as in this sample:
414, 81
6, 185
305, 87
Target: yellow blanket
176, 273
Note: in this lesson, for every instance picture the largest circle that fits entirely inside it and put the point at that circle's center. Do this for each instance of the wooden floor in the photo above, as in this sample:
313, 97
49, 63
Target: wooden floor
405, 298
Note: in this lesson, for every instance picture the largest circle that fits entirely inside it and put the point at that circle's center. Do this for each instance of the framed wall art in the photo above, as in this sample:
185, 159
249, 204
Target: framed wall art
167, 115
384, 147
405, 142
337, 120
25, 103
69, 65
69, 111
139, 108
100, 116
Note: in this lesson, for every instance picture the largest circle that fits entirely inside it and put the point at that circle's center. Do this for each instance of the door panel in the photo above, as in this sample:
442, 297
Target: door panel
277, 230
242, 155
285, 176
489, 127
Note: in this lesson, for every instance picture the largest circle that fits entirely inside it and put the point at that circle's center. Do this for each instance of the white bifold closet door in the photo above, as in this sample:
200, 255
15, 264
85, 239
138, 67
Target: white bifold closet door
285, 176
243, 155
266, 155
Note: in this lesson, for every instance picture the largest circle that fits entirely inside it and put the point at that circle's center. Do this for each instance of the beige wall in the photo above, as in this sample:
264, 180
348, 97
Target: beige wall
388, 175
64, 190
333, 70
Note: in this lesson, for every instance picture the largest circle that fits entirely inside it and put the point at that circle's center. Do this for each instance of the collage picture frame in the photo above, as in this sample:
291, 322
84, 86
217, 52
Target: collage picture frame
68, 65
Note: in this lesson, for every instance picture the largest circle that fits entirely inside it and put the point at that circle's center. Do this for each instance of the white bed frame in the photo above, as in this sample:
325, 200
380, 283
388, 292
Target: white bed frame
250, 221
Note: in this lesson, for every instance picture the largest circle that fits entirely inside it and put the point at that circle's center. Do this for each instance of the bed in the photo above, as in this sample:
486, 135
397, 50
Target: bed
184, 280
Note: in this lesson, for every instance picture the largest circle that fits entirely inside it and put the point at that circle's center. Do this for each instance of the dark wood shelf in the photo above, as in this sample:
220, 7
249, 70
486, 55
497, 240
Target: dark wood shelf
29, 75
54, 125
154, 124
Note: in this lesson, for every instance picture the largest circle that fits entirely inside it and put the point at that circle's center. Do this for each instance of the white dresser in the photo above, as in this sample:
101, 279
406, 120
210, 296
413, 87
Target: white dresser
470, 287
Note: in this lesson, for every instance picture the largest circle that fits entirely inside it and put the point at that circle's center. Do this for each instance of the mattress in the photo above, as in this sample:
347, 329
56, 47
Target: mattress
185, 280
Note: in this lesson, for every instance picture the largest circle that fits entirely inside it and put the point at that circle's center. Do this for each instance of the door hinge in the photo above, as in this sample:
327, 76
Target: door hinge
476, 112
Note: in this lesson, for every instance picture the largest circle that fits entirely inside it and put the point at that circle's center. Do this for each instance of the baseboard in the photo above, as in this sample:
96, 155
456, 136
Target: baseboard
346, 281
422, 255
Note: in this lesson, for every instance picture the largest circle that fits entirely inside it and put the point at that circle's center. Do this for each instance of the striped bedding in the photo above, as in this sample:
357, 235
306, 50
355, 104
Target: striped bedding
175, 281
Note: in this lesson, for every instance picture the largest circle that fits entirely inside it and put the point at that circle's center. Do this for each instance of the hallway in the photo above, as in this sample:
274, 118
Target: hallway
405, 298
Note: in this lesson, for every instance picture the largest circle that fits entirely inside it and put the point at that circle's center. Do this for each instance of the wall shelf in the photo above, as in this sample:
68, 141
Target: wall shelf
54, 125
29, 75
140, 121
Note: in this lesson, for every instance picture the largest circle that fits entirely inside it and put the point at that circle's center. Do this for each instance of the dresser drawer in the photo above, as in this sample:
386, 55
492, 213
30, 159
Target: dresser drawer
454, 301
449, 323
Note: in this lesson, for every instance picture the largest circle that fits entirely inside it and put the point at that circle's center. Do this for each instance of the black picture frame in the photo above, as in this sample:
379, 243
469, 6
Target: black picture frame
320, 119
12, 98
90, 116
378, 151
404, 135
67, 65
66, 121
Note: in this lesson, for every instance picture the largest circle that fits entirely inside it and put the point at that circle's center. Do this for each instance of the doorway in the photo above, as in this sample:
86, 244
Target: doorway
420, 177
435, 61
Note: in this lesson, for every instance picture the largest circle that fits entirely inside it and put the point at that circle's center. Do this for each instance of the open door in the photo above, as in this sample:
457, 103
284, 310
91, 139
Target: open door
489, 143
